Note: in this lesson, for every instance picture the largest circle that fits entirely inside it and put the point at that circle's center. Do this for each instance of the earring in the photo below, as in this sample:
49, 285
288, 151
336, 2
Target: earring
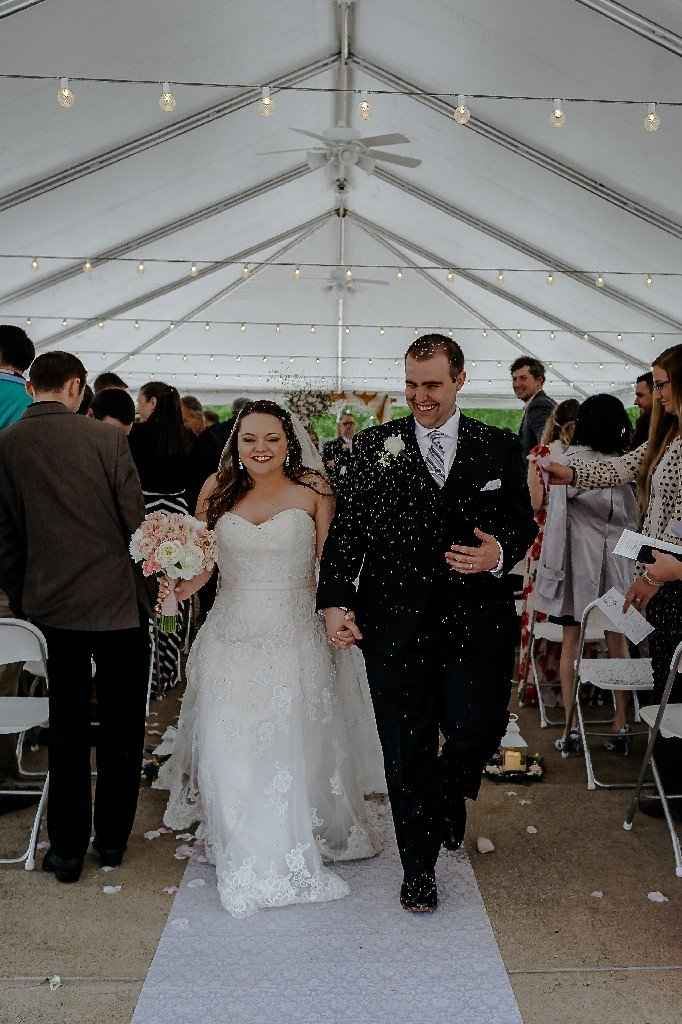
241, 464
286, 461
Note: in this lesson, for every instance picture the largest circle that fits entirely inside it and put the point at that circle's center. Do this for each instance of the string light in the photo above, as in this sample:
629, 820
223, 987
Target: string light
648, 280
552, 335
140, 267
297, 273
87, 266
167, 99
277, 328
349, 274
550, 278
65, 96
365, 108
620, 337
136, 324
518, 334
653, 337
242, 328
652, 119
171, 326
485, 333
599, 281
558, 117
29, 321
500, 275
194, 270
461, 113
64, 322
312, 328
35, 264
100, 324
347, 330
399, 275
451, 275
207, 326
381, 330
246, 270
266, 105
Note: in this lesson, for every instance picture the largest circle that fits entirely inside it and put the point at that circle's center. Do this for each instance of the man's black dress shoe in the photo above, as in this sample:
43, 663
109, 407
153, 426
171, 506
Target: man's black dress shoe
455, 823
65, 869
419, 894
111, 858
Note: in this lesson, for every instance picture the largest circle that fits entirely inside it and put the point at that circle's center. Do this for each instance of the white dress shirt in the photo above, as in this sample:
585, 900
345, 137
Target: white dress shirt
449, 432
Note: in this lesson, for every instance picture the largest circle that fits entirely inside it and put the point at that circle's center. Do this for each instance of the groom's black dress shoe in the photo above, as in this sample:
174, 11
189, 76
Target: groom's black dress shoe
111, 858
455, 823
419, 894
65, 869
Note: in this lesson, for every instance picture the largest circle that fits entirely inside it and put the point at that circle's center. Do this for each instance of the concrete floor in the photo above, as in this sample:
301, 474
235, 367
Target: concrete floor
571, 957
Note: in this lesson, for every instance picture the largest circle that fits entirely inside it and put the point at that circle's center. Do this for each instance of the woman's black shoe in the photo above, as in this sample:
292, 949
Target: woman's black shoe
419, 894
65, 869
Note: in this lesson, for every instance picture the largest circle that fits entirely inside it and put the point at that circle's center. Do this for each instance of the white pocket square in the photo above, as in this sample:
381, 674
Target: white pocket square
492, 485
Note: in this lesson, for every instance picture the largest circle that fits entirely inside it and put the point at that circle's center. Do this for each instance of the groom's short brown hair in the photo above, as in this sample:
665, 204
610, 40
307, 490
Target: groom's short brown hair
429, 345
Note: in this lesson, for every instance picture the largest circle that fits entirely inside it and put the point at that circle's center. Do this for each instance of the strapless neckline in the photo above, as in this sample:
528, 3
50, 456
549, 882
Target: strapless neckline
266, 522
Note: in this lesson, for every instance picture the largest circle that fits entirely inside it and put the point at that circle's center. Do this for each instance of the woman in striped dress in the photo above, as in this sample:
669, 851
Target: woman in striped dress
160, 446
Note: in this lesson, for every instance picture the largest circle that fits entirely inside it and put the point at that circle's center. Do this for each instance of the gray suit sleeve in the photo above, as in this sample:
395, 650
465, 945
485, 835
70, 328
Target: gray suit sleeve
536, 417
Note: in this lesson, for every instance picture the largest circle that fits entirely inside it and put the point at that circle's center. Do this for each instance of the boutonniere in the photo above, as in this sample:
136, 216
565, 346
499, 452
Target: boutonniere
393, 447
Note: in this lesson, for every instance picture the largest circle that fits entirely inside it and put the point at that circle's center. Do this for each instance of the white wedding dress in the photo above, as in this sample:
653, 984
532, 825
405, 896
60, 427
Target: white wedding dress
262, 757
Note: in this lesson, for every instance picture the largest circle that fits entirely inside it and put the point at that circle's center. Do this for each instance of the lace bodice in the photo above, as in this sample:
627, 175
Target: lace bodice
278, 554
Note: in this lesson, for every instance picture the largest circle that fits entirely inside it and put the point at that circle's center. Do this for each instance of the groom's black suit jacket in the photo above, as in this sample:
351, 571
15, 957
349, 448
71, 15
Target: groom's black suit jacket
394, 524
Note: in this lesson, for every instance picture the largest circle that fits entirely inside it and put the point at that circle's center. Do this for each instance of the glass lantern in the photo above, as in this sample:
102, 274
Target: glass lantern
513, 748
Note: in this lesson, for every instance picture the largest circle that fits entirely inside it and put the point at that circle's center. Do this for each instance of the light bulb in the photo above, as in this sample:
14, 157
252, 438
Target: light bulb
347, 330
266, 105
550, 278
65, 96
500, 275
485, 333
462, 114
158, 359
211, 359
518, 334
652, 120
451, 275
184, 359
100, 324
140, 267
648, 280
277, 328
171, 326
653, 337
291, 358
167, 99
349, 274
87, 266
238, 359
297, 273
242, 328
601, 366
312, 328
136, 324
557, 117
381, 330
552, 335
194, 270
365, 108
586, 337
399, 275
246, 270
35, 265
29, 321
64, 322
599, 281
620, 337
207, 326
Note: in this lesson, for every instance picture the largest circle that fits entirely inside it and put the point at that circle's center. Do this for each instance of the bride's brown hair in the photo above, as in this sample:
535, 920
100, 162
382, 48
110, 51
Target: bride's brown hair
233, 481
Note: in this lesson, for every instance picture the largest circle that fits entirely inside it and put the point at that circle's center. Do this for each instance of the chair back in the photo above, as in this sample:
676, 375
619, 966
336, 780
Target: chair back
21, 641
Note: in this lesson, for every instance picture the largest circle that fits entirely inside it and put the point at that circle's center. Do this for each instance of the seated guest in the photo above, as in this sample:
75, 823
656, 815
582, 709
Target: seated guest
644, 400
69, 500
577, 563
109, 380
193, 414
114, 406
337, 455
211, 417
17, 352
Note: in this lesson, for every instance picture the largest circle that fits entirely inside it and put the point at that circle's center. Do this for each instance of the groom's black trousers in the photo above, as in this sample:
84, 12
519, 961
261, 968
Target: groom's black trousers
435, 687
122, 661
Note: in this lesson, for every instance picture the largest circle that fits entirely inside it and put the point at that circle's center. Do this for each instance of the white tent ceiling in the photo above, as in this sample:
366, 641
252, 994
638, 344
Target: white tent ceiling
114, 175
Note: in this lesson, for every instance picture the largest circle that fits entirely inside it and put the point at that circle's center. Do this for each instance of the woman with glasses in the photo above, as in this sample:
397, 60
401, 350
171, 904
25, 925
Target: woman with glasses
656, 467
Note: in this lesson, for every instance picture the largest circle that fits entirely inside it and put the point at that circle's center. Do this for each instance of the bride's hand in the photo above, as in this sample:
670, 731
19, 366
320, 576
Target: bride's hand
342, 631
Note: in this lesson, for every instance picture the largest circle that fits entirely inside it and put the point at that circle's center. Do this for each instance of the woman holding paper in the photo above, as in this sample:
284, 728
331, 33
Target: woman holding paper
657, 468
577, 564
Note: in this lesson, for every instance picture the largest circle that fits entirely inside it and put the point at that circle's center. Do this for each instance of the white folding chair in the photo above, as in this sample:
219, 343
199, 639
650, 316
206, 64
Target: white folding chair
608, 674
553, 632
665, 720
20, 641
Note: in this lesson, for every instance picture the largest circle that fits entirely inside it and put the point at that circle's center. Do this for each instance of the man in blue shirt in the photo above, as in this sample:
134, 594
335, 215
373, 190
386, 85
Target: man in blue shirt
16, 355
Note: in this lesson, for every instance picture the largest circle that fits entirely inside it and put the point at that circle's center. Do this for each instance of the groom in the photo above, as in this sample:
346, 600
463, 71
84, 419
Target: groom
434, 515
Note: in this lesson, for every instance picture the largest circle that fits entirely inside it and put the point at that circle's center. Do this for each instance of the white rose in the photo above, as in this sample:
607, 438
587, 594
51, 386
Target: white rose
394, 445
168, 553
189, 564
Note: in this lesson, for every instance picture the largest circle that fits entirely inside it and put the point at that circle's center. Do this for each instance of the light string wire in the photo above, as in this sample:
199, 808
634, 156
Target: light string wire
444, 94
94, 262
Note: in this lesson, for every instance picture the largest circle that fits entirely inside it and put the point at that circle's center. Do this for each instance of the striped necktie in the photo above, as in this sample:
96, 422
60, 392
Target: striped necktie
435, 457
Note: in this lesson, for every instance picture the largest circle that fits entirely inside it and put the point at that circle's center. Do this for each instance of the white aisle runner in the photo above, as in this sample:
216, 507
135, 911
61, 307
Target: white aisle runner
359, 959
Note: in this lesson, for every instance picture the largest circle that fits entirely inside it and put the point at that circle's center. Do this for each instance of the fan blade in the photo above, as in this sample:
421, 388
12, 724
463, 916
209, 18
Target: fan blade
311, 135
368, 280
394, 139
271, 152
393, 158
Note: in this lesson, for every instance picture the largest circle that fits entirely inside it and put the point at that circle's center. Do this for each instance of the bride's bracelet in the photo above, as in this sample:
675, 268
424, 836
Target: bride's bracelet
651, 580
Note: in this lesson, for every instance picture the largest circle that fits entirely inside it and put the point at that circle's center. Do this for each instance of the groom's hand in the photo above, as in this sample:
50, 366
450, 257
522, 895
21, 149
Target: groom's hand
342, 631
468, 560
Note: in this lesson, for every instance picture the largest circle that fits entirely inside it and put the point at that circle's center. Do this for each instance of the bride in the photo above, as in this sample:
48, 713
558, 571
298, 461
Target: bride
262, 758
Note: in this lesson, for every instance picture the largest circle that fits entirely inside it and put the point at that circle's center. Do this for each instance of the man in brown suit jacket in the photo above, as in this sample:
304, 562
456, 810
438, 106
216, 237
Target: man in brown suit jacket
70, 498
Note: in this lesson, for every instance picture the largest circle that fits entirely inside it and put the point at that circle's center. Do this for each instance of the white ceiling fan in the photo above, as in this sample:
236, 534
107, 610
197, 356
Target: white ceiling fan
342, 148
342, 281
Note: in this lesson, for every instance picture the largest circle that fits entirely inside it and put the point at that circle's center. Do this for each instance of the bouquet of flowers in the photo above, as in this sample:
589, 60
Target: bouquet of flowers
176, 546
